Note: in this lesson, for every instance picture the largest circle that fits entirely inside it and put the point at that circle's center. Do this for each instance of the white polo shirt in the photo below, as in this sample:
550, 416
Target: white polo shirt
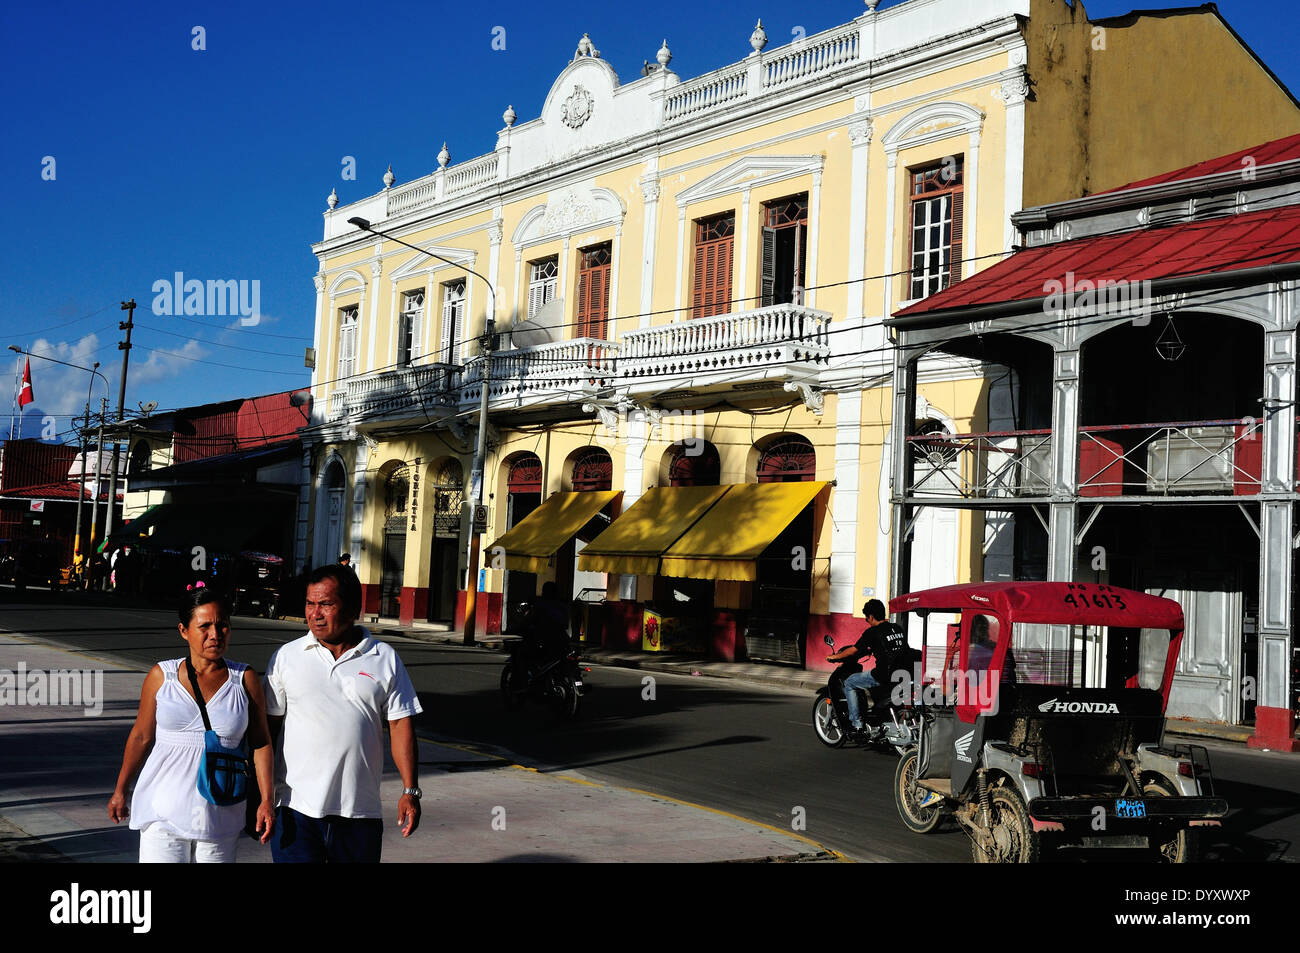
332, 755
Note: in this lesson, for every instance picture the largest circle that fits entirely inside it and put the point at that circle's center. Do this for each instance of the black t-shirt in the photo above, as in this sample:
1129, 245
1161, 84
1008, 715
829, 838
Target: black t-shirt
885, 642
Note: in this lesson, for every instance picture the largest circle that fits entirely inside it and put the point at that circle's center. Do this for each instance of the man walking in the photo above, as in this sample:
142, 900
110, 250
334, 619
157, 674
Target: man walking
334, 688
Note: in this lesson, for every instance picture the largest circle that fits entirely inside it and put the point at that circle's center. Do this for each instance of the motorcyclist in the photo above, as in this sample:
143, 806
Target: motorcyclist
546, 632
882, 640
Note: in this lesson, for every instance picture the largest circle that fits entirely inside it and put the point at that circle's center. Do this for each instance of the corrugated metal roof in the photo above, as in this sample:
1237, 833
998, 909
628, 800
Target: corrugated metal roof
1220, 245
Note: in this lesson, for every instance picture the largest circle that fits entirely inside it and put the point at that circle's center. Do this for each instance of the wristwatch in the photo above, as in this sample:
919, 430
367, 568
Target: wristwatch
414, 792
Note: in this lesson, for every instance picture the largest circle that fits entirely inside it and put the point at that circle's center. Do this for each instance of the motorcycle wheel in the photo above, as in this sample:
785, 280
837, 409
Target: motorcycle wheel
567, 705
1013, 840
510, 688
1180, 848
826, 724
907, 797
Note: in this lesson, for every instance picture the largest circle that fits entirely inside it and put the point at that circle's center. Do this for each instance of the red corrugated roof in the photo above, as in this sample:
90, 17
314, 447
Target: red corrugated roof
268, 419
1279, 150
1231, 243
60, 490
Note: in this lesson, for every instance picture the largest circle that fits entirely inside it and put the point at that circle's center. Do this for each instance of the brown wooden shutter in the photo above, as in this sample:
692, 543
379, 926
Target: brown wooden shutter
767, 277
958, 230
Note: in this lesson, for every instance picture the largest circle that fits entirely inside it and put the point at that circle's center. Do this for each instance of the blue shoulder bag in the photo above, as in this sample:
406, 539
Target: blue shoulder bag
223, 772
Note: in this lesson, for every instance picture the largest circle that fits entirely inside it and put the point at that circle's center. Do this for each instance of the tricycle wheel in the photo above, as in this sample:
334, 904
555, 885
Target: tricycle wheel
1171, 847
908, 797
825, 722
1011, 838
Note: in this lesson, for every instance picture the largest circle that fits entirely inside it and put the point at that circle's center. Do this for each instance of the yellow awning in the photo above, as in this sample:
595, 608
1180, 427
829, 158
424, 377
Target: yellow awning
530, 543
634, 542
726, 542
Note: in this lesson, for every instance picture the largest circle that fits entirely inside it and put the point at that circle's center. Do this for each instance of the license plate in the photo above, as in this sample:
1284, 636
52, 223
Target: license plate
1125, 807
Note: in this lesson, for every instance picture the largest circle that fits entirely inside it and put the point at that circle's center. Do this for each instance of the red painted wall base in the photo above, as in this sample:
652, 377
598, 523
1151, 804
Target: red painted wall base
726, 636
1274, 729
623, 625
843, 627
412, 604
487, 613
370, 598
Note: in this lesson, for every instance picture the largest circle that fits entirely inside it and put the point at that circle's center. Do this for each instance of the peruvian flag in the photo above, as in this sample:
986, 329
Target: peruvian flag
25, 395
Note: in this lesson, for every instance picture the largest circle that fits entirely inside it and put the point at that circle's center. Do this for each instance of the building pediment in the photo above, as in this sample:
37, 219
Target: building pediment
423, 264
748, 172
568, 210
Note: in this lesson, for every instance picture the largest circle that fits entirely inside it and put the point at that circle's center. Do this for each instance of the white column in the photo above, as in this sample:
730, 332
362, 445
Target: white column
359, 486
392, 321
740, 283
814, 231
495, 234
317, 343
376, 269
1012, 92
971, 210
635, 434
650, 191
1065, 462
860, 137
887, 268
678, 301
616, 262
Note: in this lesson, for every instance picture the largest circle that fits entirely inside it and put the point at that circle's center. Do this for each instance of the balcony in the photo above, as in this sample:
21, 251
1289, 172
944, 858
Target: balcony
547, 374
401, 394
779, 343
1174, 461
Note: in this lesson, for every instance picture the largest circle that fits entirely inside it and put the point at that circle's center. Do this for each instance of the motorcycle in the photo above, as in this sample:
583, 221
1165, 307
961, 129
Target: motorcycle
557, 682
886, 725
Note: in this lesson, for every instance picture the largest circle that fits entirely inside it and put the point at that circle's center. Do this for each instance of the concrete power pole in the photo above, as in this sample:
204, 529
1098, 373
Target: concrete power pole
125, 348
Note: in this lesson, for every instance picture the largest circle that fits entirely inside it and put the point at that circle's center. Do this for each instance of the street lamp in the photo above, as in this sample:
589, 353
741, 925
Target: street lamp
480, 448
81, 484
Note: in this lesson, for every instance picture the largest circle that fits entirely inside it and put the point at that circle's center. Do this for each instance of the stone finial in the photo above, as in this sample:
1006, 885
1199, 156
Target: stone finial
586, 48
665, 55
872, 4
443, 156
509, 116
758, 39
333, 199
389, 178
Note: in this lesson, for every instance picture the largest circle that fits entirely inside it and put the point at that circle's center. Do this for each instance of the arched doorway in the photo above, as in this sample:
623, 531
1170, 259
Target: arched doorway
593, 471
444, 559
328, 534
789, 458
397, 494
523, 495
783, 591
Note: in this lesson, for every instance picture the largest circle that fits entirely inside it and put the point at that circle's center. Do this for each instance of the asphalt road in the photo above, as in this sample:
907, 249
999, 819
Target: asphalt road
738, 748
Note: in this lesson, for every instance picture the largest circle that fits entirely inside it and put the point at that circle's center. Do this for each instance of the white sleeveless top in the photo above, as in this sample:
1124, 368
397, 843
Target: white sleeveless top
167, 791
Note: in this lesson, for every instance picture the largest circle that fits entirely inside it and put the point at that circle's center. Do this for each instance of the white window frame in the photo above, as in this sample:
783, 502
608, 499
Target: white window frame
410, 326
453, 320
349, 321
543, 282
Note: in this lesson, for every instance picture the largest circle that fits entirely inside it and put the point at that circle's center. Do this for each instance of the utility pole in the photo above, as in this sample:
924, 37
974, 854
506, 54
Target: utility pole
476, 485
99, 463
81, 483
125, 348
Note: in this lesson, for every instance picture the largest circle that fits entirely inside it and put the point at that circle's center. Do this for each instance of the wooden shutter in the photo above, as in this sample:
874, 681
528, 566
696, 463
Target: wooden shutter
453, 304
767, 277
417, 330
593, 294
958, 230
712, 293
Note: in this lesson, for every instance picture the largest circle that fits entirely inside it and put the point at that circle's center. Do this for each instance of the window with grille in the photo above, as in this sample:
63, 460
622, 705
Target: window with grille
937, 222
453, 321
713, 245
593, 291
785, 251
787, 460
347, 342
543, 279
593, 470
695, 463
409, 327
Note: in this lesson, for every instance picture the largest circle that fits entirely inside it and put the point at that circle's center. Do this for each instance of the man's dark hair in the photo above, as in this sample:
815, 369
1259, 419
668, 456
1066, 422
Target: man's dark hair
874, 609
345, 558
348, 583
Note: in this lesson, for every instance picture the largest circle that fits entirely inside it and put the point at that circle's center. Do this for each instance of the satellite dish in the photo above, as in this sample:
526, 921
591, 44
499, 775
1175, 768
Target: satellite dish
149, 408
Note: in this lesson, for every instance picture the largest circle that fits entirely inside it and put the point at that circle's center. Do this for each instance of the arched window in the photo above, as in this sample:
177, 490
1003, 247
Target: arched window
141, 459
694, 463
788, 459
449, 499
525, 474
593, 470
397, 491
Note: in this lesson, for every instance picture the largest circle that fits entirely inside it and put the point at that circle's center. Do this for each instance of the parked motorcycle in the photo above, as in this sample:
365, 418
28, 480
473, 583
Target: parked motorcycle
886, 725
556, 683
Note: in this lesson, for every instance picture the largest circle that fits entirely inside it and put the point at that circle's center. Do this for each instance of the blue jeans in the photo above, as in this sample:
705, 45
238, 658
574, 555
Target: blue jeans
858, 680
302, 839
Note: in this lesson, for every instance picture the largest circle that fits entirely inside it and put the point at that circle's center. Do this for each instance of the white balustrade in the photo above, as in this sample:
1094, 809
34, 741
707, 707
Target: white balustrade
422, 387
470, 175
712, 89
811, 57
412, 194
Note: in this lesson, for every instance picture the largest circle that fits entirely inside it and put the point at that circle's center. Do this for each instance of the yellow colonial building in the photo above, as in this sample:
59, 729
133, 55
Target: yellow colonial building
688, 392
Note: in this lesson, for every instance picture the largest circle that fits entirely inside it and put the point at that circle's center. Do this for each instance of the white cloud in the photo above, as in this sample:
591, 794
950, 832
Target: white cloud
59, 389
161, 366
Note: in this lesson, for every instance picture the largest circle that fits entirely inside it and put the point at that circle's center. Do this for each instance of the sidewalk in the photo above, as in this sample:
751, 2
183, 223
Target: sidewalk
58, 765
784, 676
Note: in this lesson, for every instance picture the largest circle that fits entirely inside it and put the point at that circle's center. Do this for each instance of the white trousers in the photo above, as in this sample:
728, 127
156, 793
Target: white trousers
161, 845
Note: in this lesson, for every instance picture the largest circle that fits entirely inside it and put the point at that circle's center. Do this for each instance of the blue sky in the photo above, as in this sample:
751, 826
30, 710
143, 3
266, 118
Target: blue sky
216, 163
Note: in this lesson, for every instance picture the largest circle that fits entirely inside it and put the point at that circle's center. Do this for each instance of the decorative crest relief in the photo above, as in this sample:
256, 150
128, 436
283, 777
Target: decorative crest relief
577, 108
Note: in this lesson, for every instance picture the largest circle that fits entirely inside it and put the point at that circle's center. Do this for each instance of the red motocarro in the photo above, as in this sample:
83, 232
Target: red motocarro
1042, 723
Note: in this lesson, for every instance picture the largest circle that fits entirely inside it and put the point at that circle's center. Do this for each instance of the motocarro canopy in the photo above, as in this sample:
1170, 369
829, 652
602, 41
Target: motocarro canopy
530, 543
1081, 603
726, 542
635, 541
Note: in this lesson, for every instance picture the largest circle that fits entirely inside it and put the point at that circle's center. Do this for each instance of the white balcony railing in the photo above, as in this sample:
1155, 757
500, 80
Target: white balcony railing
547, 373
779, 335
811, 57
400, 392
712, 89
470, 175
